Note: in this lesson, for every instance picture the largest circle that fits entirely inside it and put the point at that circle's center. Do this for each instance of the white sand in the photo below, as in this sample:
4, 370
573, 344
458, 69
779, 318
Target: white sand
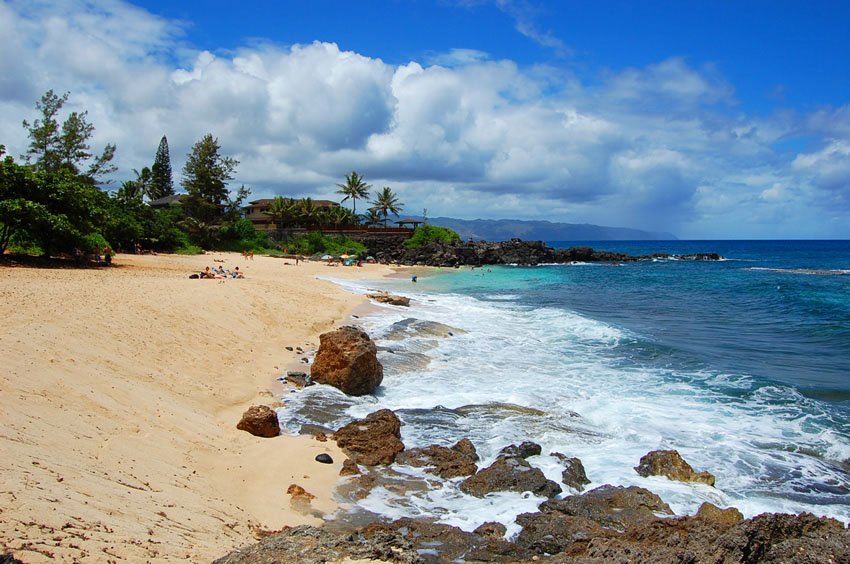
120, 393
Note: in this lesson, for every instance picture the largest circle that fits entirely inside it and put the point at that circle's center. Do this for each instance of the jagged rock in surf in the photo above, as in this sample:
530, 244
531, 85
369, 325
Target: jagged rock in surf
392, 299
573, 475
510, 474
523, 450
670, 463
373, 440
347, 359
445, 462
260, 421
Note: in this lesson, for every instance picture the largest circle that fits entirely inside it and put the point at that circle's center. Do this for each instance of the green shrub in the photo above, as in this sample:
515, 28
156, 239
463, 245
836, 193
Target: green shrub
92, 242
430, 233
315, 243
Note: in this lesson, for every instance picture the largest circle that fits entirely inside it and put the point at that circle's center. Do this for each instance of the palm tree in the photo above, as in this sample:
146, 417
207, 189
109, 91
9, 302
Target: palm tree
280, 210
354, 187
386, 202
372, 218
307, 212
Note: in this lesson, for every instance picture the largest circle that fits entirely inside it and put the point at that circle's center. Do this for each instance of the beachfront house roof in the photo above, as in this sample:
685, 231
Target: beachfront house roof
409, 221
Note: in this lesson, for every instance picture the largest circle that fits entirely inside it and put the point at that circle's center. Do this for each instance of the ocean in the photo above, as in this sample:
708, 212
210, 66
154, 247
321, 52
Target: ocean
742, 365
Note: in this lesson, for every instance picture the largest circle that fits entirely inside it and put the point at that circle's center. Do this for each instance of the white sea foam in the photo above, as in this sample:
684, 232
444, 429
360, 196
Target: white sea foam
516, 373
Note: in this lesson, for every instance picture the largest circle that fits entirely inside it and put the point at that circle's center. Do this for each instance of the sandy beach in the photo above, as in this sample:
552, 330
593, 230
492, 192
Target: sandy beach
119, 400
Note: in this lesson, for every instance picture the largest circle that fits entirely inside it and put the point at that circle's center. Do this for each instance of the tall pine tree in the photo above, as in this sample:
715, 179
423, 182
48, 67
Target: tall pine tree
162, 182
205, 177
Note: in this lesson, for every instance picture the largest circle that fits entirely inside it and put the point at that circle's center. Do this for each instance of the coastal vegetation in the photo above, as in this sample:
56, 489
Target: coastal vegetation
56, 200
431, 234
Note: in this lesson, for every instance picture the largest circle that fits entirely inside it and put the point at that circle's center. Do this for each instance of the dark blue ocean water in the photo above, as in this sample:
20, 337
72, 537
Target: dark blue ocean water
742, 365
778, 311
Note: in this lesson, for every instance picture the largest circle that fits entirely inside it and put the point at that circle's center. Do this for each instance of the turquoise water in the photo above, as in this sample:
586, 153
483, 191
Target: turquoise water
742, 365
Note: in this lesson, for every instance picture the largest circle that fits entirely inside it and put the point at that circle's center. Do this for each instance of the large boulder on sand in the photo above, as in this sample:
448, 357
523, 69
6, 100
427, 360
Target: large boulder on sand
260, 421
348, 359
671, 464
371, 441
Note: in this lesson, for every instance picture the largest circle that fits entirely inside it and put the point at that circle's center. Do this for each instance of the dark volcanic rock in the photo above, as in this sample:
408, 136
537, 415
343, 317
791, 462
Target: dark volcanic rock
552, 533
613, 507
405, 541
260, 421
768, 538
349, 468
524, 450
510, 474
671, 464
347, 359
392, 299
574, 475
324, 458
515, 251
491, 529
446, 462
299, 379
713, 514
373, 440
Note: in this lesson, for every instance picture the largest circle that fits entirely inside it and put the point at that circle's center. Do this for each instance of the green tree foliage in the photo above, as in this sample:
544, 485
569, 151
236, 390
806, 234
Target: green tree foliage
54, 210
386, 202
315, 243
135, 190
162, 181
281, 210
67, 147
430, 234
205, 177
355, 187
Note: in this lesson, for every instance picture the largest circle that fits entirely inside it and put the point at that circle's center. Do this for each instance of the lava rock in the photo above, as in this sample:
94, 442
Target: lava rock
510, 474
324, 458
446, 462
373, 440
573, 475
347, 359
524, 450
670, 463
260, 421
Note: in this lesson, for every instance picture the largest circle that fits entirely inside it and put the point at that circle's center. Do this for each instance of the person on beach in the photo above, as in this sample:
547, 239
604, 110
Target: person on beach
107, 255
237, 273
413, 278
207, 273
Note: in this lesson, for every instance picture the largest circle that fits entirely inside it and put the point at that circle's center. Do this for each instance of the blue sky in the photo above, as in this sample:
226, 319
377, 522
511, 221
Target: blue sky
707, 119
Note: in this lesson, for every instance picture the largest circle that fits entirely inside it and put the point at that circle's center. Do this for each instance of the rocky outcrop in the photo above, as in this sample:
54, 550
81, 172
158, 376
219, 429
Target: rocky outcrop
373, 440
260, 421
713, 514
392, 299
522, 450
573, 475
612, 507
459, 460
515, 251
510, 474
670, 463
768, 538
348, 360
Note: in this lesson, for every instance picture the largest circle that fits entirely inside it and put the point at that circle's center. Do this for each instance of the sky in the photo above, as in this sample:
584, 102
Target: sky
707, 119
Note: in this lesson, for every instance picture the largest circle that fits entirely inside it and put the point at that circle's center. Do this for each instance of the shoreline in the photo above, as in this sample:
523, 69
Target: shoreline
122, 397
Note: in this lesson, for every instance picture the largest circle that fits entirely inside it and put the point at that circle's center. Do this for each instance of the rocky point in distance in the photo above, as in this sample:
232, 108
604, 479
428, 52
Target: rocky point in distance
515, 251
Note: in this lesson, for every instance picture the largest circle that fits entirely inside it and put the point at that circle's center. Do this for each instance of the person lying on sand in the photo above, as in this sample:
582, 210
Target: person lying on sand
237, 273
207, 273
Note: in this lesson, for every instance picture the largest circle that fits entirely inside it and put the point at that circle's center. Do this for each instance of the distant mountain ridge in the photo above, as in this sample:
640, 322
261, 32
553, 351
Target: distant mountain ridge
505, 229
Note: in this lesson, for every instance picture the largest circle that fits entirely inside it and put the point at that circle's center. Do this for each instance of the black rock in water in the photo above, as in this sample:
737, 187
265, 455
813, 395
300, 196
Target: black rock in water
324, 458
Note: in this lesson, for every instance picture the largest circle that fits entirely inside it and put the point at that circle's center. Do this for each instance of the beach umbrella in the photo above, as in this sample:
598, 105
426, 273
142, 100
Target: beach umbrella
345, 256
326, 257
